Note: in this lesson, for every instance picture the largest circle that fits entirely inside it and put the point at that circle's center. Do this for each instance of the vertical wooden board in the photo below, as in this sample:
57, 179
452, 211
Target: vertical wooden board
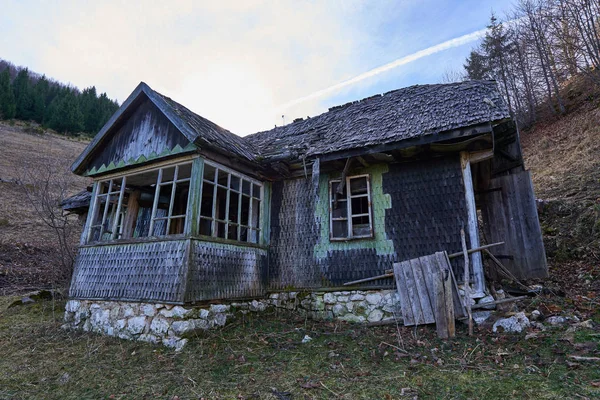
459, 308
441, 321
510, 216
448, 301
407, 314
412, 293
417, 265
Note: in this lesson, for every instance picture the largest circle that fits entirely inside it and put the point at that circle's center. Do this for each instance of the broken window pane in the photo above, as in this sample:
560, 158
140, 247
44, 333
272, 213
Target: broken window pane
358, 186
340, 229
209, 172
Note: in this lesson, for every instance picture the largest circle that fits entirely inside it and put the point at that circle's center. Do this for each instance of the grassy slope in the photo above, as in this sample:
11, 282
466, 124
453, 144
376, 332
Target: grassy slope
263, 358
27, 245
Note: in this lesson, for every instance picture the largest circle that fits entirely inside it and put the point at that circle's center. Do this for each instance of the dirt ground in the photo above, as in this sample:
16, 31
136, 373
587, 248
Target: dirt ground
27, 244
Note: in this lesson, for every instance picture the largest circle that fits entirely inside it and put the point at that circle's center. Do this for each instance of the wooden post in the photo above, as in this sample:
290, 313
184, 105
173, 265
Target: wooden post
466, 285
85, 235
133, 207
479, 282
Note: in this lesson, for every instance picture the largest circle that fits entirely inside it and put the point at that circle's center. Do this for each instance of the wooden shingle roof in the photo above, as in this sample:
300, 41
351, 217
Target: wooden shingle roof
415, 111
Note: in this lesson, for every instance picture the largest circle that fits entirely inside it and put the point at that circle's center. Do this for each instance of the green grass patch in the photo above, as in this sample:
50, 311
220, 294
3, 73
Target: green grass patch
262, 357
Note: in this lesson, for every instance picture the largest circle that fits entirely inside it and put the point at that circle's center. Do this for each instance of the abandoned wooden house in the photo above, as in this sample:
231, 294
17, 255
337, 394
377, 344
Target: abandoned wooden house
188, 222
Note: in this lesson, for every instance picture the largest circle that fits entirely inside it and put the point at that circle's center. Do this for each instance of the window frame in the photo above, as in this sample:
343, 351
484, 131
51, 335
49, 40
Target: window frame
119, 219
255, 230
349, 215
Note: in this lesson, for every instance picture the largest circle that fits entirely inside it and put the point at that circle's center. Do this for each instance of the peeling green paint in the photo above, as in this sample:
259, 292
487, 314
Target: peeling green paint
141, 159
380, 202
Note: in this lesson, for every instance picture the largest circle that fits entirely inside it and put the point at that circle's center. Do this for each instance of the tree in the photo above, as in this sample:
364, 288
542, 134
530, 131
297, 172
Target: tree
8, 106
23, 95
40, 94
65, 114
89, 105
476, 66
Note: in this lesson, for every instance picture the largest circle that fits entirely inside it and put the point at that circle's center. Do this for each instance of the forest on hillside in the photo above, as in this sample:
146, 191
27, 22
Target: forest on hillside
534, 52
28, 96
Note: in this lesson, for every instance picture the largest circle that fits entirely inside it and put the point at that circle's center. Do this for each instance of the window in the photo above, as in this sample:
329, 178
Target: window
151, 203
350, 208
230, 207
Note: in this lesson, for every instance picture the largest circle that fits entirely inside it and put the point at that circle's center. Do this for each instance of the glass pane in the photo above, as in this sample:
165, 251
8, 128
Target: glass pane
361, 226
221, 203
253, 236
207, 199
339, 211
340, 229
209, 172
185, 171
160, 226
95, 234
358, 185
243, 234
245, 210
168, 174
232, 231
142, 222
222, 178
234, 201
334, 188
182, 191
103, 188
235, 183
246, 187
255, 217
256, 191
205, 227
176, 226
220, 229
360, 205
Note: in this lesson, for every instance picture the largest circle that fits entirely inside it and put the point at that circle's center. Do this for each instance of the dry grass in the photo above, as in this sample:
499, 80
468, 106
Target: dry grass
28, 247
564, 155
263, 358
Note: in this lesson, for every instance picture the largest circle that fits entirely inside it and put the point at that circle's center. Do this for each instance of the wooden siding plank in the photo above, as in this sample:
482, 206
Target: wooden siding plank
407, 312
421, 287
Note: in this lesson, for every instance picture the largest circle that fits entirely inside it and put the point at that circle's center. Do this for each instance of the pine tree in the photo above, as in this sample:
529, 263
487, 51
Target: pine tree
476, 66
23, 95
66, 116
40, 94
8, 105
88, 103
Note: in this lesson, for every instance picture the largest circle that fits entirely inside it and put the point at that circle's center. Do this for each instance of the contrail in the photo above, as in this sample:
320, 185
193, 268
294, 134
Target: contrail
459, 41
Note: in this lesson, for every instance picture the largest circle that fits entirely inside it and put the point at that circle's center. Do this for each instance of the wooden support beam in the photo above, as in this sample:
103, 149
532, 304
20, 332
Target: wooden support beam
473, 229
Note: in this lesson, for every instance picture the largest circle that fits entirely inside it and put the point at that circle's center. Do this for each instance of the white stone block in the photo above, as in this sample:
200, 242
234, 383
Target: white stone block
203, 313
136, 325
219, 308
483, 302
339, 310
72, 306
148, 310
159, 326
220, 319
181, 327
375, 315
374, 298
120, 324
516, 323
350, 306
329, 298
342, 299
357, 297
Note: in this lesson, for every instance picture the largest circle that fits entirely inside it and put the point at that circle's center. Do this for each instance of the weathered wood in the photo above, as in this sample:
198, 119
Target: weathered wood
501, 301
450, 292
480, 248
132, 213
510, 216
441, 321
473, 229
407, 313
466, 284
425, 303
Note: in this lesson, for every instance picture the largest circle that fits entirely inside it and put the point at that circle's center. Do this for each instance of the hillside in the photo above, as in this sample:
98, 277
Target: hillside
27, 245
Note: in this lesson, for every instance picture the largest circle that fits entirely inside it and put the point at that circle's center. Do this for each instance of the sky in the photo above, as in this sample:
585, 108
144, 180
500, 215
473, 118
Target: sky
244, 64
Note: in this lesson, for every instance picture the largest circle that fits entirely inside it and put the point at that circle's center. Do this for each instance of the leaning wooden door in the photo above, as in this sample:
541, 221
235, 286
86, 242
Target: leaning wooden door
510, 215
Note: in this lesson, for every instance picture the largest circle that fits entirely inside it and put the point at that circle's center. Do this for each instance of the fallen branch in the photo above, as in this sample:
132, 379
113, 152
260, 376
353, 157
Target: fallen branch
501, 301
581, 358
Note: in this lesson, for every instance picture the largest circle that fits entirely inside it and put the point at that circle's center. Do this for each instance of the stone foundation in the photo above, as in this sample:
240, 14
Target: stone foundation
171, 325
